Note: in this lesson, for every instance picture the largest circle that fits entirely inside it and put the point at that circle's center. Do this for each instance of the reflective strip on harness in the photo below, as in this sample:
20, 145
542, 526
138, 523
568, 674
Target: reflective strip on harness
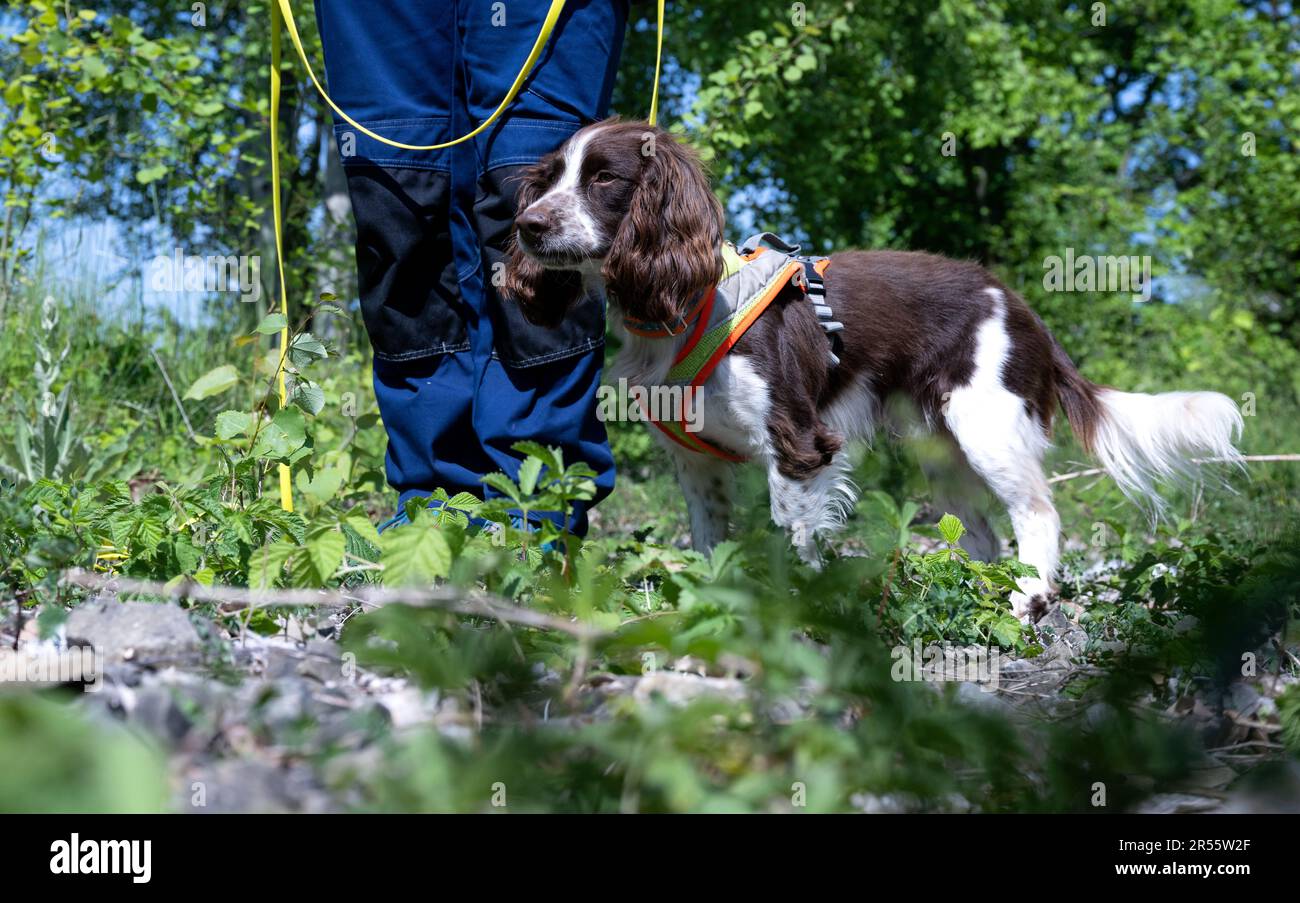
707, 345
751, 280
700, 357
679, 434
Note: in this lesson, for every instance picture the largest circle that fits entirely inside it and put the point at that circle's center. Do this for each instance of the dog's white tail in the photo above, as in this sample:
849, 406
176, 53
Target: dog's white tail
1144, 440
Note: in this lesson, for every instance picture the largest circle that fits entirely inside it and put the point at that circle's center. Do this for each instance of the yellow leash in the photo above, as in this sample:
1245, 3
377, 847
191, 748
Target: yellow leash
282, 17
543, 35
659, 53
548, 25
286, 482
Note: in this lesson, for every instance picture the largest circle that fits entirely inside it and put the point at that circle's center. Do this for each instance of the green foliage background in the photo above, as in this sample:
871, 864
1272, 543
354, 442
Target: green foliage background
1169, 130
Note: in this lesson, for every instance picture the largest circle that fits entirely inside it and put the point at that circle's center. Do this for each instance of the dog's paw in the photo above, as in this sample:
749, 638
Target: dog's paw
1030, 608
804, 540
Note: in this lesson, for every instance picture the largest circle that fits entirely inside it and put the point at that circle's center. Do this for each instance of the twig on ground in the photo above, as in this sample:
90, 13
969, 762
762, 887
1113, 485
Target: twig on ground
235, 598
579, 670
1097, 471
1220, 750
1263, 726
889, 580
176, 398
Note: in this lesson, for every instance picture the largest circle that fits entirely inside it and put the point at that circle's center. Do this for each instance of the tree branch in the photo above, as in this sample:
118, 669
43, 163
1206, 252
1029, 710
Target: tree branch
1097, 471
236, 598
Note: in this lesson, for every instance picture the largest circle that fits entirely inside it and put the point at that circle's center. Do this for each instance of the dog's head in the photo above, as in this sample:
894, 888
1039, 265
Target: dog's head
624, 201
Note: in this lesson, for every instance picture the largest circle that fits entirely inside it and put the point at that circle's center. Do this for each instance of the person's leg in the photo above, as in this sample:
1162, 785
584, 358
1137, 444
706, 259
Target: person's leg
535, 384
427, 220
390, 64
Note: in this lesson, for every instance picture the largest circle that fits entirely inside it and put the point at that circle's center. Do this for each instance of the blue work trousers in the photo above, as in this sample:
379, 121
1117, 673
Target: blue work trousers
460, 375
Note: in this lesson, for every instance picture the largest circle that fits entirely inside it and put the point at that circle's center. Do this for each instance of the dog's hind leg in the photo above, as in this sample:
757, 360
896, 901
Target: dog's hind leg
1004, 443
955, 488
1013, 469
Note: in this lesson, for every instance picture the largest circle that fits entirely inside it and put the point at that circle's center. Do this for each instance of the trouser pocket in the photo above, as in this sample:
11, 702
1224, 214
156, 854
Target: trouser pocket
519, 343
406, 277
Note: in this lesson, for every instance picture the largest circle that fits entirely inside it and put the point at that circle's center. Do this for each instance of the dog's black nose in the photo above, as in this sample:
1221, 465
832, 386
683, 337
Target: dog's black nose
534, 222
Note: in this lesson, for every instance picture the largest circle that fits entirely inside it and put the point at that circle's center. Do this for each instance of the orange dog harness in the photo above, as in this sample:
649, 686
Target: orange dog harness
752, 278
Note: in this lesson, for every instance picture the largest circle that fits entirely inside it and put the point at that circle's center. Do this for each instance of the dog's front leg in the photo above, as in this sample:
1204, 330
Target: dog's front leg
796, 509
706, 484
808, 479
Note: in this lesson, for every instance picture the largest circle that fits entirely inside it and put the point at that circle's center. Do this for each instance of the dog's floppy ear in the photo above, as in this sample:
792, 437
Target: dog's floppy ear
544, 295
666, 251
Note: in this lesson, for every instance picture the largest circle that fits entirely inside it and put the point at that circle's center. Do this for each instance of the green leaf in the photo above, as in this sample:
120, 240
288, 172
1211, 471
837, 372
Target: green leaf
301, 570
325, 549
549, 457
951, 528
266, 563
308, 396
187, 556
151, 173
359, 521
323, 485
1006, 630
234, 423
94, 67
502, 484
284, 435
214, 382
272, 323
242, 526
529, 473
148, 534
414, 553
306, 348
466, 501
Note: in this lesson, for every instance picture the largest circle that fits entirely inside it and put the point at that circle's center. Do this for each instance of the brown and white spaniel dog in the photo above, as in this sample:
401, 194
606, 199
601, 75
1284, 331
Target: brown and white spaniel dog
626, 208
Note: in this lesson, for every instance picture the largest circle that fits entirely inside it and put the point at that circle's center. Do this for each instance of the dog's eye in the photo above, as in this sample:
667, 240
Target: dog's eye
604, 177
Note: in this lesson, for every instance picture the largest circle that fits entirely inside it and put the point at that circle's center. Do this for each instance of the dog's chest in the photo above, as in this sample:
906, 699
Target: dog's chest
728, 410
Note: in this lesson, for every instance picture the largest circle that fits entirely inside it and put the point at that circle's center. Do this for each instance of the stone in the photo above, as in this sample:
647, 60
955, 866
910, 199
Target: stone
1272, 788
1176, 804
981, 697
1243, 699
156, 710
682, 688
409, 706
246, 786
143, 633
